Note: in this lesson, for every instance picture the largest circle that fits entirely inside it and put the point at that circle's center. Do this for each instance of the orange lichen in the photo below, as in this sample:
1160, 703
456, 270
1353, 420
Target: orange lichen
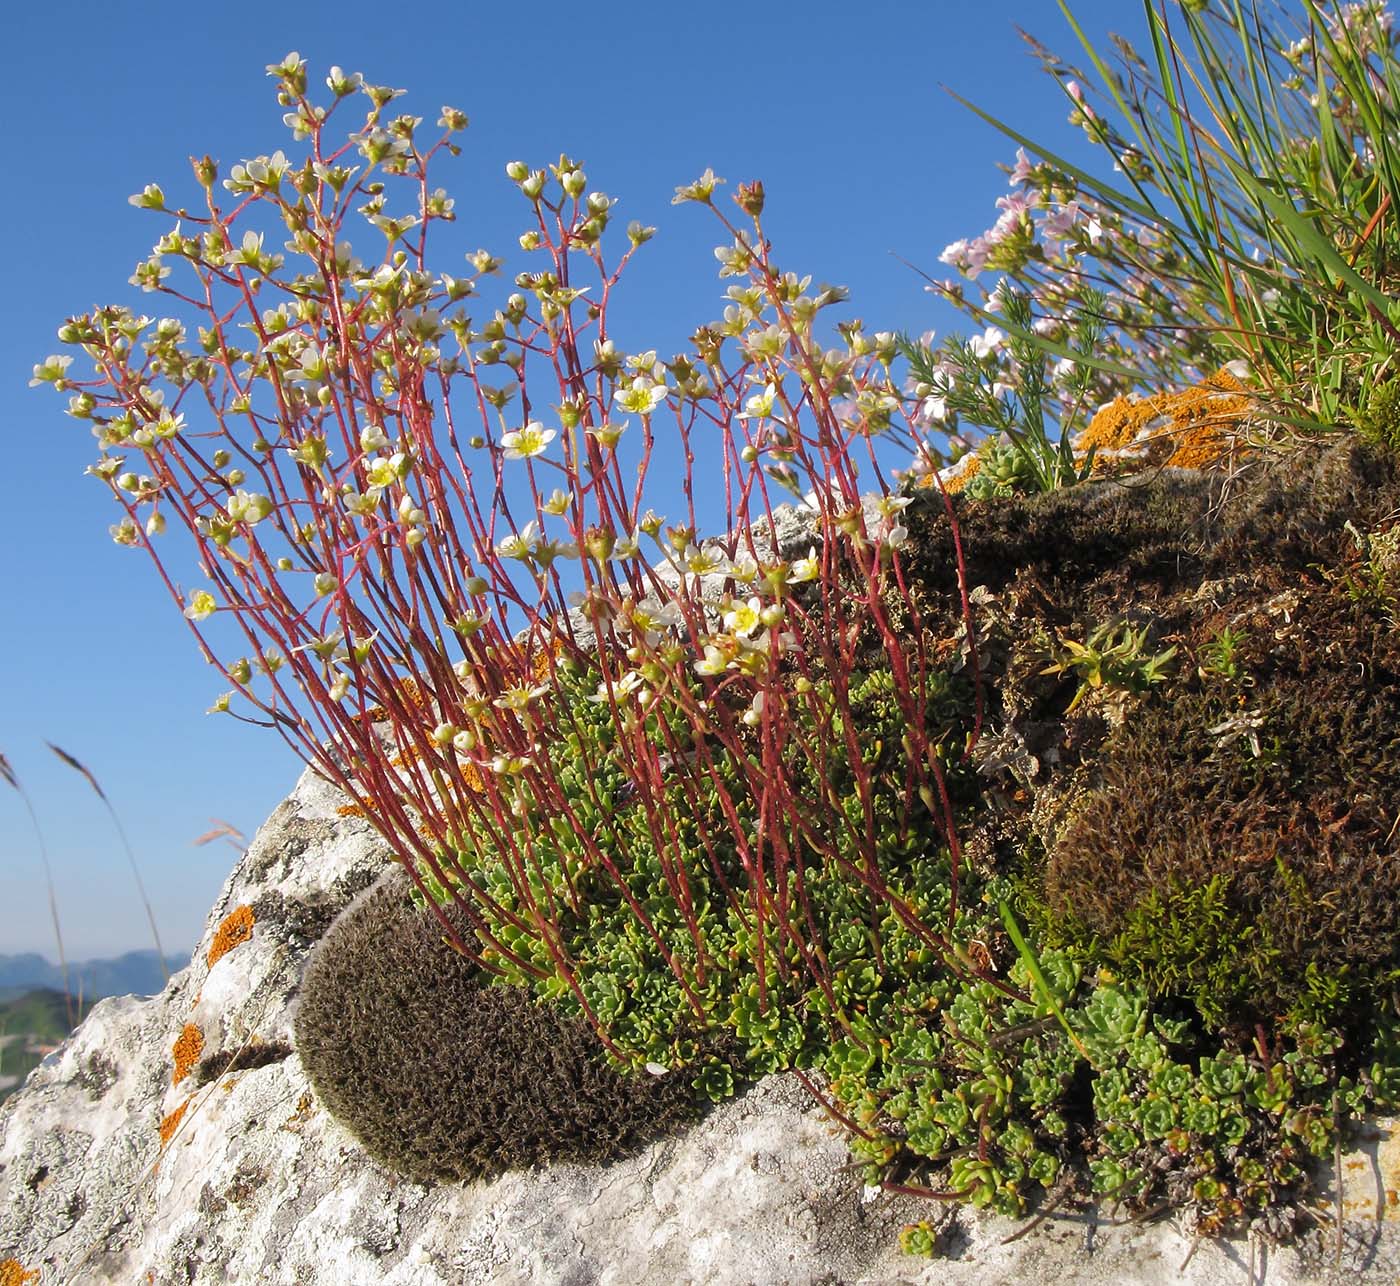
14, 1273
350, 810
471, 776
187, 1049
1189, 429
304, 1109
172, 1122
956, 476
235, 929
543, 660
410, 691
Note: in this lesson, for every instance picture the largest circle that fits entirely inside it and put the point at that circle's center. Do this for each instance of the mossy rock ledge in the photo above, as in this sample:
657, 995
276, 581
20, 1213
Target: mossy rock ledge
256, 1180
1228, 836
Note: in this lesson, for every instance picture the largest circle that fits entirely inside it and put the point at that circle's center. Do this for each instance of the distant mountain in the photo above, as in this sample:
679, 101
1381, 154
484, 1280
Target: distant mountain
135, 973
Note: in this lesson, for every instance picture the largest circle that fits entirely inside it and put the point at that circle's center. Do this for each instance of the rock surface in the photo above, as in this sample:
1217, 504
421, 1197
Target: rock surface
258, 1184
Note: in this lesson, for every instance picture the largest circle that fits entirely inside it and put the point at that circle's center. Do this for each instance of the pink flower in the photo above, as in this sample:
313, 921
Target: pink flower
977, 253
1059, 224
954, 254
1074, 90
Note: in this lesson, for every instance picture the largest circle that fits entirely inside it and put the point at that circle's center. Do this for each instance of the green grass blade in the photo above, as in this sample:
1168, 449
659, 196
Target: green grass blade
1032, 962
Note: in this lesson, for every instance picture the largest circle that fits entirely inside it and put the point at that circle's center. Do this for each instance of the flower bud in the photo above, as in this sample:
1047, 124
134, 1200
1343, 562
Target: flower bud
749, 198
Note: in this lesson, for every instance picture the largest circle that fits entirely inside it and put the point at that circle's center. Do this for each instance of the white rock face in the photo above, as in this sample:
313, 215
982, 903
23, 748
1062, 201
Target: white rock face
258, 1184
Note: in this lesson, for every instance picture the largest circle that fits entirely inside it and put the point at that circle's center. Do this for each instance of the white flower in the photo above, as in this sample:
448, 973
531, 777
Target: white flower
805, 569
743, 619
519, 545
382, 471
325, 647
51, 369
202, 604
760, 404
701, 562
626, 547
245, 506
363, 505
373, 438
646, 622
531, 440
933, 409
607, 434
987, 343
954, 253
641, 397
744, 569
519, 697
715, 661
546, 551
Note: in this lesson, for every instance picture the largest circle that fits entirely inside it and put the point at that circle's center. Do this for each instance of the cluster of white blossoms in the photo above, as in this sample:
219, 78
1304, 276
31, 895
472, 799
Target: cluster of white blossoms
329, 473
722, 615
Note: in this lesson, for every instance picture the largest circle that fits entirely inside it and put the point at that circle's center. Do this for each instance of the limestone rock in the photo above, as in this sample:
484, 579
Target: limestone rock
258, 1184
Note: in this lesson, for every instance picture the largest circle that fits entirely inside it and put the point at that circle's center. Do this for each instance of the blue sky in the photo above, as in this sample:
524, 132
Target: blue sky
836, 107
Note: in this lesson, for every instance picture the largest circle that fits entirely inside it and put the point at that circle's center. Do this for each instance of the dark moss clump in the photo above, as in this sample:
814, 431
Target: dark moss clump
1149, 529
1239, 848
251, 1056
444, 1078
1293, 517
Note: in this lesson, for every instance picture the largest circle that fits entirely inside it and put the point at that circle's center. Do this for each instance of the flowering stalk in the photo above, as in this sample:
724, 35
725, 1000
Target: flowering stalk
455, 604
